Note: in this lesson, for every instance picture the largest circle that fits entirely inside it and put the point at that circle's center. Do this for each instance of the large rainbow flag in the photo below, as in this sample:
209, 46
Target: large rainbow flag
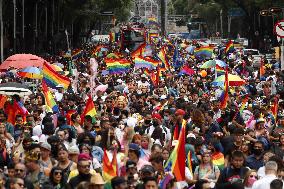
203, 52
52, 78
162, 56
117, 66
229, 47
143, 62
50, 102
176, 161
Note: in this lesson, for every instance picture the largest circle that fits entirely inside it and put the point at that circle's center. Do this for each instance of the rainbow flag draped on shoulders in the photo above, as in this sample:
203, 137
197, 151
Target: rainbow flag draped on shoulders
117, 66
203, 52
229, 47
144, 62
176, 161
52, 78
50, 102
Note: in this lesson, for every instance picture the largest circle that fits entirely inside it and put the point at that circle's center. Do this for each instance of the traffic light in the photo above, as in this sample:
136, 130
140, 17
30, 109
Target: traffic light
264, 13
275, 10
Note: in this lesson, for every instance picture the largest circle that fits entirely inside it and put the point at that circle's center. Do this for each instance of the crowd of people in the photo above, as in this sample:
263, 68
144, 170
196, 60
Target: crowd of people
239, 146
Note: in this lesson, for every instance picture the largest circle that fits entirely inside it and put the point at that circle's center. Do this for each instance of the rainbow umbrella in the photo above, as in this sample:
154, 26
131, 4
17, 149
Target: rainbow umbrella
30, 72
234, 80
213, 63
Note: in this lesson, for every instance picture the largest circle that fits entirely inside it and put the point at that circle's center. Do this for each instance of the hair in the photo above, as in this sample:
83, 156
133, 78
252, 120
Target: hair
82, 136
247, 175
73, 117
136, 137
154, 146
63, 179
271, 165
147, 179
157, 158
14, 180
238, 154
199, 183
276, 184
278, 160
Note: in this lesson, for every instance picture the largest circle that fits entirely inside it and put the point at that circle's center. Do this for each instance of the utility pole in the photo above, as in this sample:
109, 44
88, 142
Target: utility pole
23, 23
14, 26
163, 16
1, 32
221, 22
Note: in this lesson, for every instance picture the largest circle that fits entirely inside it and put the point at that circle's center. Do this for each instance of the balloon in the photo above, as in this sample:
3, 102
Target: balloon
203, 73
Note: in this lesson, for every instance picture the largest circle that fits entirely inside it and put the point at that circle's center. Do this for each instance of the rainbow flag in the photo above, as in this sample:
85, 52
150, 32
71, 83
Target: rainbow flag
162, 56
219, 70
186, 70
109, 168
189, 162
138, 51
243, 105
165, 181
68, 115
203, 52
218, 160
50, 102
176, 161
229, 47
143, 62
77, 53
117, 66
52, 78
89, 109
225, 95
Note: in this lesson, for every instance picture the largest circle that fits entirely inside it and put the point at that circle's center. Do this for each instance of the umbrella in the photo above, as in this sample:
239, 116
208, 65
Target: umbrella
101, 88
22, 61
30, 72
13, 88
234, 80
212, 64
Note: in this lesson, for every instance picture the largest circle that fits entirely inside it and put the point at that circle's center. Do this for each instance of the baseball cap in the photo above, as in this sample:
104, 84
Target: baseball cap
130, 164
180, 112
147, 169
46, 146
84, 156
74, 150
133, 146
157, 116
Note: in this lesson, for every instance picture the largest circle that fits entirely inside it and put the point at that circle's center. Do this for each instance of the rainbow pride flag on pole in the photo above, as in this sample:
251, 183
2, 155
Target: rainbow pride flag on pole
203, 52
218, 160
225, 95
176, 161
229, 47
89, 109
50, 102
162, 56
52, 78
117, 66
109, 167
143, 62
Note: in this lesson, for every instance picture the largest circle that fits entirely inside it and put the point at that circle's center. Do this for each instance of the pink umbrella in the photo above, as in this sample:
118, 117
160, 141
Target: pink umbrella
20, 61
101, 88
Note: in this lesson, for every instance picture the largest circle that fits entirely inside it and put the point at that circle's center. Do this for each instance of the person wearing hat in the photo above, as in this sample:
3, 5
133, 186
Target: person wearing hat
83, 167
131, 170
118, 183
73, 153
96, 182
134, 155
157, 125
179, 115
45, 160
59, 92
145, 172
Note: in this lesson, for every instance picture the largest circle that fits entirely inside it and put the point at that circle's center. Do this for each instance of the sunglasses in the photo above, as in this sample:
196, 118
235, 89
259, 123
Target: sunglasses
253, 176
57, 173
85, 166
21, 185
19, 170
